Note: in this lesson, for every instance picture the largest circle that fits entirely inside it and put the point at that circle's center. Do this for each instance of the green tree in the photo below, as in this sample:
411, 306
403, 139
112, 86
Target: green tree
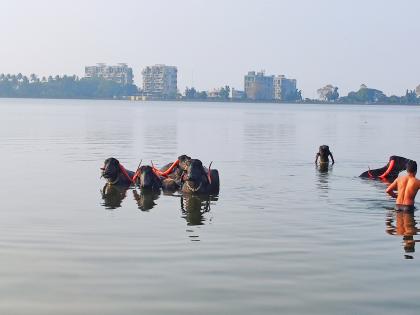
224, 92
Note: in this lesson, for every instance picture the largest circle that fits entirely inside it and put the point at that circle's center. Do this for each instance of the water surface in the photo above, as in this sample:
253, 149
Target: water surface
281, 237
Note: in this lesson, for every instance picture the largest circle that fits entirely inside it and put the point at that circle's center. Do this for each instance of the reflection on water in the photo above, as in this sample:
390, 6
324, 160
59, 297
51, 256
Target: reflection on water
113, 196
145, 199
323, 168
323, 172
194, 209
194, 206
403, 223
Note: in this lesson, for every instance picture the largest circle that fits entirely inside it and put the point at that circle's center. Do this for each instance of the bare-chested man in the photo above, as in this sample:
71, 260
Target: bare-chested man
323, 155
407, 187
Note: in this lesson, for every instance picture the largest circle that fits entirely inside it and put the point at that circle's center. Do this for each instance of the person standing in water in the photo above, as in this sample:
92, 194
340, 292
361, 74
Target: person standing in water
407, 187
323, 155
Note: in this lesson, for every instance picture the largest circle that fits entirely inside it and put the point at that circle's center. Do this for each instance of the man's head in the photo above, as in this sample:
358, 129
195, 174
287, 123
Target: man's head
324, 150
411, 167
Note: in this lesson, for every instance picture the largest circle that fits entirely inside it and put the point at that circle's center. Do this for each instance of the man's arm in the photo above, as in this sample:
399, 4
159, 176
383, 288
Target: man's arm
390, 190
332, 158
316, 158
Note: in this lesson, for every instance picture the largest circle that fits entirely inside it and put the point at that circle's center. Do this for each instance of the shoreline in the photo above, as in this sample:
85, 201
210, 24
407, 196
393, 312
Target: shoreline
237, 101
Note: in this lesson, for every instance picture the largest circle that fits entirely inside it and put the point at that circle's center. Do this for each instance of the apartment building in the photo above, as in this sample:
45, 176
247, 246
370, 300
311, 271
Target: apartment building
284, 89
120, 73
258, 86
160, 82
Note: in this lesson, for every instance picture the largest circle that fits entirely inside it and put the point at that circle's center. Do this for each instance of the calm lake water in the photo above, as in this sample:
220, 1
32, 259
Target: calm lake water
281, 237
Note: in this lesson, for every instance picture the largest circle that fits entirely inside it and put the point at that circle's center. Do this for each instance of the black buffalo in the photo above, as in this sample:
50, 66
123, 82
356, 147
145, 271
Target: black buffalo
147, 179
199, 180
171, 173
390, 171
116, 174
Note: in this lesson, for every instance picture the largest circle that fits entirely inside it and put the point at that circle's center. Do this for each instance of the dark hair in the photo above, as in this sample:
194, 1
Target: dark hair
324, 149
411, 166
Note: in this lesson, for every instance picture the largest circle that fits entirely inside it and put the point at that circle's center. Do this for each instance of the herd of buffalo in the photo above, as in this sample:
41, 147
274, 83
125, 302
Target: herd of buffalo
197, 184
185, 174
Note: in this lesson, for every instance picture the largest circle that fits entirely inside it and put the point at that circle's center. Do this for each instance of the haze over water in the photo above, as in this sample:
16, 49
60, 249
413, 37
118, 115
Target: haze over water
281, 237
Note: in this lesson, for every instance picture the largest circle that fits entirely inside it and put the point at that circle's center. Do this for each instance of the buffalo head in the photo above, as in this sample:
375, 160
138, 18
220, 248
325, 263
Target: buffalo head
147, 179
111, 169
195, 178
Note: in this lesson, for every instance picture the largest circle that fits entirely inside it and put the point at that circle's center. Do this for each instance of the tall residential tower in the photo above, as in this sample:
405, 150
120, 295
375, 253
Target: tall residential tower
160, 82
120, 73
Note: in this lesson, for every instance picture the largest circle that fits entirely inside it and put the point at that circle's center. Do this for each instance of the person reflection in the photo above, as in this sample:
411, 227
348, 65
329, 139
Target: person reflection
113, 196
405, 226
145, 199
323, 168
323, 172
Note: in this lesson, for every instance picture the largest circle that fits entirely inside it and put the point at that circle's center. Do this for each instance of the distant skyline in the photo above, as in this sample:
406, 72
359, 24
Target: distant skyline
215, 43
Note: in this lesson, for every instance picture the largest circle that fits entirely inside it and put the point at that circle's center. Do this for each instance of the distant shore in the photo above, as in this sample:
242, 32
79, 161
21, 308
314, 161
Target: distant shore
244, 101
96, 88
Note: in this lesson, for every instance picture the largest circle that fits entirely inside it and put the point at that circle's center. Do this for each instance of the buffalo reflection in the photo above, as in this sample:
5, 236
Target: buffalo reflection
113, 196
145, 199
193, 208
405, 226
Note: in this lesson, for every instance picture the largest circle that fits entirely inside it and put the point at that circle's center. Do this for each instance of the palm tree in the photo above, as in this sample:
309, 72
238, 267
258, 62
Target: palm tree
33, 77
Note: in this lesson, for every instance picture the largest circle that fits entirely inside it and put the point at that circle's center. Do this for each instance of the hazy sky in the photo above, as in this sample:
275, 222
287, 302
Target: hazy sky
215, 42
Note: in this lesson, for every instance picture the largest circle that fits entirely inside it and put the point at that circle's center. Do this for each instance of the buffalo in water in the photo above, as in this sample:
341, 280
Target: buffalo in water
190, 176
146, 179
116, 174
390, 171
199, 180
172, 173
185, 174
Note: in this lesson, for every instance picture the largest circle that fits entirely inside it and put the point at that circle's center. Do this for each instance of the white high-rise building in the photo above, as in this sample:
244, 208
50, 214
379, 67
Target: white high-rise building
160, 81
120, 73
284, 89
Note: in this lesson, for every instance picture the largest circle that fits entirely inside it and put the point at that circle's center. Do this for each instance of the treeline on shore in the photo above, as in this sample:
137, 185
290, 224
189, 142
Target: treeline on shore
21, 86
328, 94
62, 87
366, 95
